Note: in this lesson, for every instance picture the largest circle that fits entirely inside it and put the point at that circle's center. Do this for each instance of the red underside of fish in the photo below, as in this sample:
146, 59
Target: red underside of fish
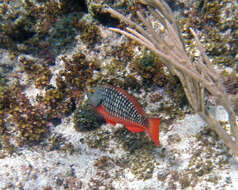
152, 129
130, 125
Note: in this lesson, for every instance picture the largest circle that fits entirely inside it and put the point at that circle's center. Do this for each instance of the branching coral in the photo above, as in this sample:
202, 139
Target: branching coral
199, 78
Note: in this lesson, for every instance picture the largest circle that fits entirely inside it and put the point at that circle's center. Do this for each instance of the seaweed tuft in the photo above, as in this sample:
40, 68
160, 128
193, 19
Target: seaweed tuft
86, 119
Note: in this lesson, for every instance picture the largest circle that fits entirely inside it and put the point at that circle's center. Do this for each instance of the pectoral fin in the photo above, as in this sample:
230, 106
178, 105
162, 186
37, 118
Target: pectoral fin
110, 122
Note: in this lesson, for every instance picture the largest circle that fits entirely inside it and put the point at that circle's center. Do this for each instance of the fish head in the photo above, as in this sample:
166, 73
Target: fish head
95, 96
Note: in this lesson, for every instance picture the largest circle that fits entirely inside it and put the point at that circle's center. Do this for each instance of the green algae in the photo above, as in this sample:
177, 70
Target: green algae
24, 122
139, 158
37, 71
99, 139
208, 157
89, 32
30, 122
64, 32
86, 119
218, 25
26, 25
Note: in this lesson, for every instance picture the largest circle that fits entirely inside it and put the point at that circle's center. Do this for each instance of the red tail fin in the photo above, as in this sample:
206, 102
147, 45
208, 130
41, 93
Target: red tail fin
153, 129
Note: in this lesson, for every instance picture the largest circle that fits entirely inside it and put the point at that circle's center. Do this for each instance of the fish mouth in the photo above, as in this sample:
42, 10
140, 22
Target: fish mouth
94, 96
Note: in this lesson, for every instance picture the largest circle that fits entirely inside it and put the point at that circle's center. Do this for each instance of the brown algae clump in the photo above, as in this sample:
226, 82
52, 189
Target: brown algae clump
77, 72
26, 24
86, 119
24, 120
150, 68
89, 32
98, 138
36, 71
218, 26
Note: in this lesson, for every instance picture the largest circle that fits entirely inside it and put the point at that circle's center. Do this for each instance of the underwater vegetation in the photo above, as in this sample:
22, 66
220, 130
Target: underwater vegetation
20, 121
31, 122
218, 26
27, 26
47, 29
37, 72
86, 119
199, 80
58, 23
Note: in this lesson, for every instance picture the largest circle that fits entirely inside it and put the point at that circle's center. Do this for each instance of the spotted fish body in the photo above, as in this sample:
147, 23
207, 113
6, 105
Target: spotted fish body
117, 106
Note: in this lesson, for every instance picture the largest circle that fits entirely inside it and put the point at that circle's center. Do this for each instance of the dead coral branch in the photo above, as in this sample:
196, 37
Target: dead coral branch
196, 77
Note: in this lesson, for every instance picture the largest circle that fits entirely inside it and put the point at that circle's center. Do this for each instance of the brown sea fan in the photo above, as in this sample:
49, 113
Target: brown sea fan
199, 78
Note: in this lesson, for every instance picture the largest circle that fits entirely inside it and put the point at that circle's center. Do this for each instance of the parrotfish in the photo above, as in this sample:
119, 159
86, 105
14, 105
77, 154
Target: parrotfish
117, 106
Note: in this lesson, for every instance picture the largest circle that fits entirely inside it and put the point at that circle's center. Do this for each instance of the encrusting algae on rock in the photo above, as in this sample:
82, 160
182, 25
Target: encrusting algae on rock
96, 60
199, 80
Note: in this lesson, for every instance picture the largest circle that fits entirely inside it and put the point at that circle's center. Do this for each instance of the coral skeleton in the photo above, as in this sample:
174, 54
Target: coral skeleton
199, 79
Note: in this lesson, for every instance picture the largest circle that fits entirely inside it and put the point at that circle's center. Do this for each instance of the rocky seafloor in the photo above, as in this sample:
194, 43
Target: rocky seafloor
53, 52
